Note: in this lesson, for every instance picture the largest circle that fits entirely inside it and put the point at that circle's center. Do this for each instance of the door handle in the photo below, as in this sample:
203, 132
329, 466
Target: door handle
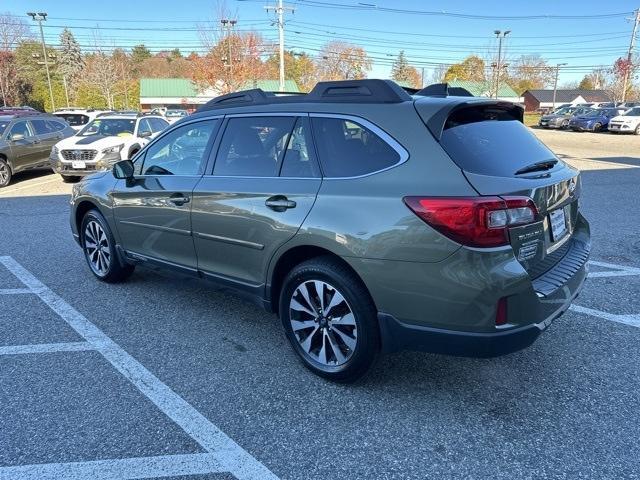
179, 199
279, 203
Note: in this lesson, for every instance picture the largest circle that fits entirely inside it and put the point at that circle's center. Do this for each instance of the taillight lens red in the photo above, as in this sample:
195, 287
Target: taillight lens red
474, 221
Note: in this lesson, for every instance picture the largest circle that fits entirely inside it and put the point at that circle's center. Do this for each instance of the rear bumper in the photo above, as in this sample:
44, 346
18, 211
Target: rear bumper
532, 310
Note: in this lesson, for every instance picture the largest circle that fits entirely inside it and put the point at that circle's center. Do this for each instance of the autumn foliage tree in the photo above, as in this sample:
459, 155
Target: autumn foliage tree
471, 68
343, 61
402, 71
232, 62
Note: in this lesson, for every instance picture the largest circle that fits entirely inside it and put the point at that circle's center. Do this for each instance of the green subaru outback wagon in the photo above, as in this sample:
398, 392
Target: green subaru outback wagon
370, 220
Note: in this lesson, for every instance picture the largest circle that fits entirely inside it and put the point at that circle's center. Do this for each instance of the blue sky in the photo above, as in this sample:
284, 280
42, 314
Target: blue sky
426, 38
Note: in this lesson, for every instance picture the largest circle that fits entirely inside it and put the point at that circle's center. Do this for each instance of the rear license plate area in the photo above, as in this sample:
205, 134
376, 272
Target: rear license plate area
558, 224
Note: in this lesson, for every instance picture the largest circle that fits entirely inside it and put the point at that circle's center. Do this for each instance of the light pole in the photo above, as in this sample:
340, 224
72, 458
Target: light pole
280, 10
40, 17
555, 83
499, 35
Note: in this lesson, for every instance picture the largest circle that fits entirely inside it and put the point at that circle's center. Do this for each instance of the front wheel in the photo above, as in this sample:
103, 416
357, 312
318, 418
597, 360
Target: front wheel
637, 130
330, 319
5, 173
100, 249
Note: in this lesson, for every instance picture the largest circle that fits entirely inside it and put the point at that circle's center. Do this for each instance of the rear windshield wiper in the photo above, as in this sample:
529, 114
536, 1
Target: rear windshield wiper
537, 167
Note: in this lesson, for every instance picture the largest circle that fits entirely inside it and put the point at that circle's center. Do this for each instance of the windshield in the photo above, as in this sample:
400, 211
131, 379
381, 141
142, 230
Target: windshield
561, 111
594, 113
109, 127
634, 112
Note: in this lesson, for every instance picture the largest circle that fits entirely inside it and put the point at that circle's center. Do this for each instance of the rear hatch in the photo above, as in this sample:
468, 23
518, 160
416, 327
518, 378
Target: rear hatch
500, 157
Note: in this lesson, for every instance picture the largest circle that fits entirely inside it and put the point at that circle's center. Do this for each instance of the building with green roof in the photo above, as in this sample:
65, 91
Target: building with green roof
183, 93
485, 89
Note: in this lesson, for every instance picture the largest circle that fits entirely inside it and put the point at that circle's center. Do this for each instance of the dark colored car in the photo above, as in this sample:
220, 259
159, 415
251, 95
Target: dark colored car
596, 120
560, 117
370, 220
26, 139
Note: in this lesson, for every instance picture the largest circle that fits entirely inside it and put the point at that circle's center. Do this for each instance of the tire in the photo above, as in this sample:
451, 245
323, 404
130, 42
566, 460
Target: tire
103, 261
565, 125
597, 128
69, 179
637, 130
132, 153
338, 341
5, 173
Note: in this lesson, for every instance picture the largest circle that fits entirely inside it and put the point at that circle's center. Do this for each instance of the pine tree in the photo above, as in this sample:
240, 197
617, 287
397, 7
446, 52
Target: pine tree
70, 62
401, 71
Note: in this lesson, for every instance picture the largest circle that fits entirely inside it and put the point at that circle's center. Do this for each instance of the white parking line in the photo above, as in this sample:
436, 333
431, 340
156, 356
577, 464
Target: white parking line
146, 467
46, 348
632, 320
618, 270
14, 291
229, 454
6, 192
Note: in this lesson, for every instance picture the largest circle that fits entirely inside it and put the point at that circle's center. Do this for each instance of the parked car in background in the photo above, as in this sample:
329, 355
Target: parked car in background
596, 120
369, 219
107, 139
77, 118
173, 115
26, 139
560, 117
628, 122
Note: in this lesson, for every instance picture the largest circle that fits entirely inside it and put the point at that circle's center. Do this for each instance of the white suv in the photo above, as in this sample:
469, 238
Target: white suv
109, 138
628, 122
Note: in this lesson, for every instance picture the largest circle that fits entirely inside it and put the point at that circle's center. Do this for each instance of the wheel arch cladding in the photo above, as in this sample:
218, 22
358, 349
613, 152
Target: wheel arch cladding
295, 256
82, 209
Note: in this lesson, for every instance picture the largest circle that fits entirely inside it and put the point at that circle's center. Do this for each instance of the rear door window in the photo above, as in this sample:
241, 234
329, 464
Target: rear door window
42, 127
491, 141
348, 149
74, 119
253, 146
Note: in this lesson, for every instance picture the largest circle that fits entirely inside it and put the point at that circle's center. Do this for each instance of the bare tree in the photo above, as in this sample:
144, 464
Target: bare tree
101, 72
12, 31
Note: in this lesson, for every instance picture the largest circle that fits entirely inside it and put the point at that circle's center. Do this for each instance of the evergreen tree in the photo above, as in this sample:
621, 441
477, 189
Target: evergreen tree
70, 62
402, 72
140, 53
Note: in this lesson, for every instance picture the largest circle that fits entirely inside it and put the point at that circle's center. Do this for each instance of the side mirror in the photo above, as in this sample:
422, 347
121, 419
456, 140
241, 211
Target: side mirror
123, 170
145, 134
16, 137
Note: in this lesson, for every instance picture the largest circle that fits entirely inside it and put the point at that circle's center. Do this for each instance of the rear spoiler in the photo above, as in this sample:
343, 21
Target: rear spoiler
437, 122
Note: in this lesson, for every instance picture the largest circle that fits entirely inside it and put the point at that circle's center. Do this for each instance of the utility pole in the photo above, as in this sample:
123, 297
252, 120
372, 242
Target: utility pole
40, 17
499, 35
280, 11
555, 83
632, 44
228, 24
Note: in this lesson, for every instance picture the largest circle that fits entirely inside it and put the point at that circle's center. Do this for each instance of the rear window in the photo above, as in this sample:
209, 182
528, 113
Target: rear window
73, 119
348, 149
491, 141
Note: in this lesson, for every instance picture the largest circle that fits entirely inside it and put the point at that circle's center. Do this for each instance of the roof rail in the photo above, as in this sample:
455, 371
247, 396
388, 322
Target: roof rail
443, 90
343, 91
359, 91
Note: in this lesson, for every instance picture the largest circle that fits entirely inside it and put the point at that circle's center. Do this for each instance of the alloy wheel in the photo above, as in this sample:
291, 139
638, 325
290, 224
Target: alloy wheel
323, 323
4, 174
96, 246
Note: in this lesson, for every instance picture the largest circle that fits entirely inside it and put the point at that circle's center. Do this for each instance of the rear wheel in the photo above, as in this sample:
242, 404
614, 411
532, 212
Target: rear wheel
330, 320
5, 173
637, 130
100, 249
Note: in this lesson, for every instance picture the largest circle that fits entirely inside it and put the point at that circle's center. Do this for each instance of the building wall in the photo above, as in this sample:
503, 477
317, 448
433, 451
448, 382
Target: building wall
530, 103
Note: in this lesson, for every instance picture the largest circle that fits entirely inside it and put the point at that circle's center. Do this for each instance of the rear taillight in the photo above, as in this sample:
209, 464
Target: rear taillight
474, 221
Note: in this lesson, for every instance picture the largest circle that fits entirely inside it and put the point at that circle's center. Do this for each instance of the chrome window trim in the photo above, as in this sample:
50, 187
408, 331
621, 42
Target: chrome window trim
388, 139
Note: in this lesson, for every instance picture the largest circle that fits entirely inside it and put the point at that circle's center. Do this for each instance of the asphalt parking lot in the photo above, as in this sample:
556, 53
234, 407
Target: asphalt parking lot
165, 377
